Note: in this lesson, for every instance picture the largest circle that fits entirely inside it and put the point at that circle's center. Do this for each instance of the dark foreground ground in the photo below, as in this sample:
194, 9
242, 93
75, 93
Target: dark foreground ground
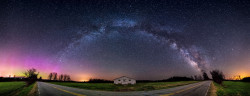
195, 89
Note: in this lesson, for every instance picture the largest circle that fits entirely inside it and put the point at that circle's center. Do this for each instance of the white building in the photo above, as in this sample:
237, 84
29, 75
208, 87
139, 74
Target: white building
124, 80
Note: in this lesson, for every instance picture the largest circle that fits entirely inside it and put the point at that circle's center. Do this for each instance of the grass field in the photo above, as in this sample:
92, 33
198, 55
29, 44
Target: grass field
25, 91
136, 87
9, 87
233, 88
14, 88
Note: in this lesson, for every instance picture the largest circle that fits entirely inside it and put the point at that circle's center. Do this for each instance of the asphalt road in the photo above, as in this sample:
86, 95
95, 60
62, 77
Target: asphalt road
195, 89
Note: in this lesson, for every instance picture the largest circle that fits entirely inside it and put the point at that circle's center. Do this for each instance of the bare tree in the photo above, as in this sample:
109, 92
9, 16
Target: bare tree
237, 77
54, 76
50, 76
68, 78
218, 76
61, 77
65, 77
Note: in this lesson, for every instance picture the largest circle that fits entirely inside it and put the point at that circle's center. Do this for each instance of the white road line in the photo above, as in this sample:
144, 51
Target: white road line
208, 89
38, 88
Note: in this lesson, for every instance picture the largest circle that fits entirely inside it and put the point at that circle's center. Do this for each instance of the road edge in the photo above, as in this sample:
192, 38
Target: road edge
34, 90
212, 90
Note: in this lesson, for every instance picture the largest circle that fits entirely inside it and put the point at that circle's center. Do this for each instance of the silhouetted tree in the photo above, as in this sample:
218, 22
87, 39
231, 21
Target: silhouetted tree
61, 77
40, 78
217, 76
68, 78
54, 76
31, 74
205, 77
64, 77
237, 77
50, 76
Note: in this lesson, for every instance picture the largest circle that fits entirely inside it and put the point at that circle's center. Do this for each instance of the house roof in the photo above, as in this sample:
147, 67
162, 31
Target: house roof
123, 76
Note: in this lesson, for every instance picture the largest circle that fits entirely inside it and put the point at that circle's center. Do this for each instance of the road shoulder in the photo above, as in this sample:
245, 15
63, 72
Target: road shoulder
212, 90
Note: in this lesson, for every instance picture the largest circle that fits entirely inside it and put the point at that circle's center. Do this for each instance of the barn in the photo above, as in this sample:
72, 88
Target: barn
124, 80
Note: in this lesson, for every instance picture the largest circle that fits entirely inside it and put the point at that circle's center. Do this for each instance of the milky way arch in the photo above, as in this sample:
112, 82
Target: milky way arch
162, 33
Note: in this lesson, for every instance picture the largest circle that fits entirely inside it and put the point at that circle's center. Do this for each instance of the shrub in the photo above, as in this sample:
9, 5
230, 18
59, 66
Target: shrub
246, 79
217, 76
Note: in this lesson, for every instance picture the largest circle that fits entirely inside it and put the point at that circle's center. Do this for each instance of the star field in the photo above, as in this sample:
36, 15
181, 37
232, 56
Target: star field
107, 38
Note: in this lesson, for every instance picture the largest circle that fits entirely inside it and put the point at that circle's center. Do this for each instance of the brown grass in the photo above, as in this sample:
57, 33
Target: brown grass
212, 90
33, 91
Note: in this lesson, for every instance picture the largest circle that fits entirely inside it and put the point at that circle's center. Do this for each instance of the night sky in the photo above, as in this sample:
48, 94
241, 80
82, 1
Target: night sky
142, 39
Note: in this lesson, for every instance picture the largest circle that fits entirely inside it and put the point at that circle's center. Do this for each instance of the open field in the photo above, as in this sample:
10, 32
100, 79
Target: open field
14, 88
25, 91
136, 87
9, 87
233, 88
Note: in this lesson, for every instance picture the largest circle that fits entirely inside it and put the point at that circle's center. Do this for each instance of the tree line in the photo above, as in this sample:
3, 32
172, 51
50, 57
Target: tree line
56, 77
31, 77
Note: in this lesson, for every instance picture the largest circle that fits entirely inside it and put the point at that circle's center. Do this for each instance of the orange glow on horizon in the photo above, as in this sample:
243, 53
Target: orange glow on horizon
238, 76
83, 80
82, 77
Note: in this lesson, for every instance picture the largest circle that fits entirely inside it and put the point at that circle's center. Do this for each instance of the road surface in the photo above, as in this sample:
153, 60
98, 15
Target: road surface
195, 89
